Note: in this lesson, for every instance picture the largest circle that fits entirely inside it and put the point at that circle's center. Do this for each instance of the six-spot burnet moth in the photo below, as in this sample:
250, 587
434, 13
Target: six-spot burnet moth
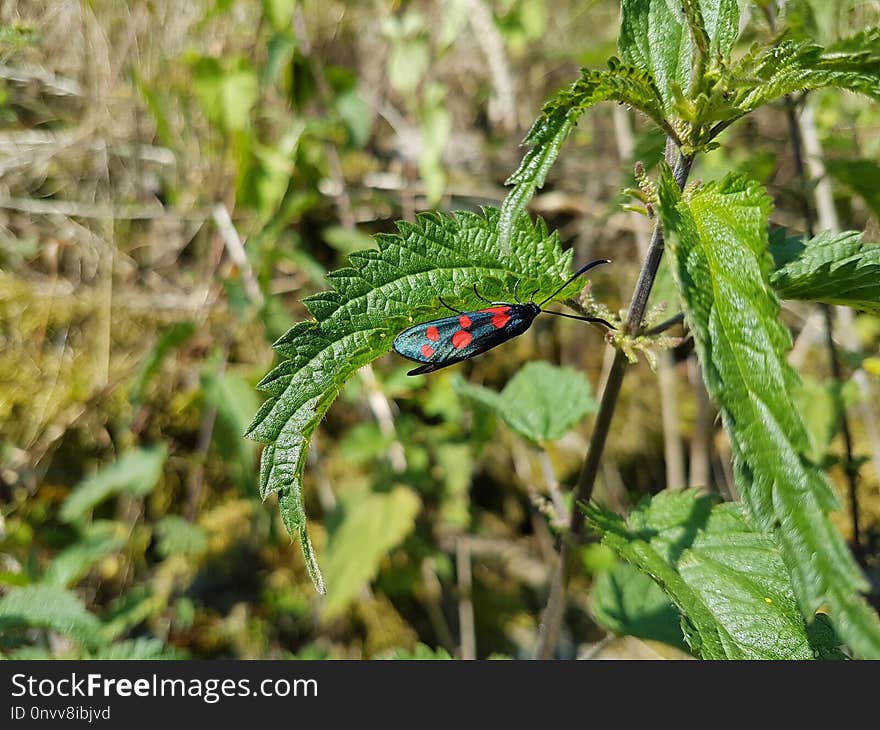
443, 342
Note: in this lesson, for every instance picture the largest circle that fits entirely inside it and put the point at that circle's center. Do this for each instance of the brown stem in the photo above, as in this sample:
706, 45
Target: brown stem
548, 632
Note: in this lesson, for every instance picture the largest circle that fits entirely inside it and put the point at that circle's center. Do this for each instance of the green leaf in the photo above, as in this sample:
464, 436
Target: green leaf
135, 472
718, 236
421, 652
171, 337
541, 402
728, 580
383, 293
371, 525
52, 607
721, 19
833, 268
177, 536
621, 82
98, 540
790, 66
227, 90
235, 401
279, 13
629, 603
657, 36
138, 649
819, 404
860, 176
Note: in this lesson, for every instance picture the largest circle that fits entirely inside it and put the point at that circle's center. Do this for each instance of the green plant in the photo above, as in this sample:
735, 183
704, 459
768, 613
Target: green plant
680, 66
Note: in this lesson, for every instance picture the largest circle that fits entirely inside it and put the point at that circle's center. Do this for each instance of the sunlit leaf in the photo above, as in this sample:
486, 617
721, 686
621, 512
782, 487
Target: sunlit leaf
628, 602
370, 525
98, 540
541, 402
135, 472
385, 291
718, 237
52, 607
833, 268
728, 580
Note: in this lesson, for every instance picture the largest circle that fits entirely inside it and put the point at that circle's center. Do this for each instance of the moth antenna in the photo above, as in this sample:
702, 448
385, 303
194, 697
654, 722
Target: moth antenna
593, 320
481, 297
451, 309
580, 272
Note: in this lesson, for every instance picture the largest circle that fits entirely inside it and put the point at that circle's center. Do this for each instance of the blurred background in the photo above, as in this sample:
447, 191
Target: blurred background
176, 177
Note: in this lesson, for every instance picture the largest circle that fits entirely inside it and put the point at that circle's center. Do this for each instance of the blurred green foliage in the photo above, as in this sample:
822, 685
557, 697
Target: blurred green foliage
135, 323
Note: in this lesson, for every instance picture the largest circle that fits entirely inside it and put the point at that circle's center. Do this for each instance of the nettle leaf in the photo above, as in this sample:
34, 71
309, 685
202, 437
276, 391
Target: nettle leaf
52, 607
177, 536
728, 580
832, 268
718, 237
819, 403
370, 525
791, 66
384, 292
621, 82
540, 403
628, 602
97, 540
136, 472
861, 177
721, 20
657, 35
143, 648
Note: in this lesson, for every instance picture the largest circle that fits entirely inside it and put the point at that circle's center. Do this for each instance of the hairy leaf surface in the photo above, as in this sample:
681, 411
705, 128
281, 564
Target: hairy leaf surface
52, 607
621, 82
727, 579
791, 66
384, 292
832, 268
718, 237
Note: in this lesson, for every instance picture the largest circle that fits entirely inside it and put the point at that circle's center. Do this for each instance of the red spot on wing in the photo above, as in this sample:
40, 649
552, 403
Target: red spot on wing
432, 334
500, 316
427, 350
461, 339
464, 321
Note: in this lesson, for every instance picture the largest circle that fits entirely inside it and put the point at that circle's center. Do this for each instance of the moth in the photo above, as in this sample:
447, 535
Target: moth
440, 343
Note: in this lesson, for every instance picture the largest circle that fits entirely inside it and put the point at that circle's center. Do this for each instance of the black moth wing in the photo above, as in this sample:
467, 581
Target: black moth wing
443, 342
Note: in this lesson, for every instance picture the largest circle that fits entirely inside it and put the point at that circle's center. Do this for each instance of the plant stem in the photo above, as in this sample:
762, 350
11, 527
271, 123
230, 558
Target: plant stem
466, 627
548, 632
